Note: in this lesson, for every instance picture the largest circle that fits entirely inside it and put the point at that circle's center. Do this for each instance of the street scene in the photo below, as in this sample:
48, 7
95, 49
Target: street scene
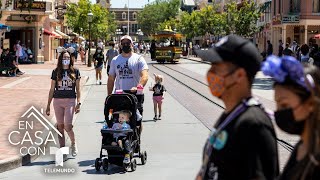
160, 89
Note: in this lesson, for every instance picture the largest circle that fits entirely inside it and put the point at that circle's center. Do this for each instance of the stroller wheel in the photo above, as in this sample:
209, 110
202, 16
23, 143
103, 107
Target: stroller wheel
105, 164
133, 165
97, 164
143, 157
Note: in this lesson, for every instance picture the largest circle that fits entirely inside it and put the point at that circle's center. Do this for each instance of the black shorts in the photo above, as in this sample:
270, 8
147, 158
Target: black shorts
108, 69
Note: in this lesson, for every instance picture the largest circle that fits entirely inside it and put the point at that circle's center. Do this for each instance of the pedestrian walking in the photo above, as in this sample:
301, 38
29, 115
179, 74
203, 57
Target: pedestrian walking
280, 49
128, 71
304, 55
98, 61
270, 48
65, 93
287, 51
158, 96
111, 53
153, 50
297, 95
242, 144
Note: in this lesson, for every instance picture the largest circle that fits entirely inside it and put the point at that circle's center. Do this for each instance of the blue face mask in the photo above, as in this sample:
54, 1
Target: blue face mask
99, 51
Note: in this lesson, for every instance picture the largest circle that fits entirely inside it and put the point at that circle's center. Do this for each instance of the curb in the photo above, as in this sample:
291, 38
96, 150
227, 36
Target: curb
191, 59
22, 160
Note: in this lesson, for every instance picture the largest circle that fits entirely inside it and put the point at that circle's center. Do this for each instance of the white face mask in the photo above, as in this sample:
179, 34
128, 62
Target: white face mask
66, 62
99, 51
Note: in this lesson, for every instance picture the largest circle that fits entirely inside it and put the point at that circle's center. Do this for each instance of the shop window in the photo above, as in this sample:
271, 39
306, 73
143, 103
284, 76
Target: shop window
295, 6
316, 6
124, 15
134, 15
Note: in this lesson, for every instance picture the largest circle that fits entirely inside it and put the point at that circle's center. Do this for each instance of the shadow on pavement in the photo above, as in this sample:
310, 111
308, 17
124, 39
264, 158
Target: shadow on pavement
113, 169
41, 163
263, 84
86, 163
148, 120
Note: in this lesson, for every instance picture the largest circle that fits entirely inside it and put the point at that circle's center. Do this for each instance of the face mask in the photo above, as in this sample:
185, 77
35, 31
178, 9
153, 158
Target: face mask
216, 83
286, 121
66, 62
126, 48
99, 51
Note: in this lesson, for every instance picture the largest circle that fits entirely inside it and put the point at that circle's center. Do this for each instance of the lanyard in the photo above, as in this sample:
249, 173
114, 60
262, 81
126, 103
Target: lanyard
209, 146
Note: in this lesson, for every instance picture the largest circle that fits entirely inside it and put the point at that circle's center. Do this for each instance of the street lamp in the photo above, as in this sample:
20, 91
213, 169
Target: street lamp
128, 20
118, 33
90, 16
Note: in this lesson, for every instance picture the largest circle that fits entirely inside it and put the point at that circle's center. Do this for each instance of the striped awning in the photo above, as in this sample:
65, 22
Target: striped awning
64, 36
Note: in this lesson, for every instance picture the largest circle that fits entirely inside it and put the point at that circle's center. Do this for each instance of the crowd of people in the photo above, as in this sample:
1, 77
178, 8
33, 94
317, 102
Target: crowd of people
305, 53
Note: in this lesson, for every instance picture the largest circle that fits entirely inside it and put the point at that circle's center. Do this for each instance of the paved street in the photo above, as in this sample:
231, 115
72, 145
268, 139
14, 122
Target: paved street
174, 144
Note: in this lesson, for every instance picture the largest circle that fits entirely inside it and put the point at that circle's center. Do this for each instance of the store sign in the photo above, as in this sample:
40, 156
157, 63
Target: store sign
290, 19
35, 6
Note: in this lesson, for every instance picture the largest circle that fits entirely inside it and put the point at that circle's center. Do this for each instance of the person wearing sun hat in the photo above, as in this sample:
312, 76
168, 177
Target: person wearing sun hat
297, 95
242, 143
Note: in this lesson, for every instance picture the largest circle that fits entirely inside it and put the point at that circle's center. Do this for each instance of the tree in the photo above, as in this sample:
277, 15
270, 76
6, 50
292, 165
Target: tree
102, 23
156, 13
242, 19
204, 22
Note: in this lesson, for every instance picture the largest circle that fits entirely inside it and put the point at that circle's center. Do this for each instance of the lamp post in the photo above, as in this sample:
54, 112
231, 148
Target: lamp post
90, 16
118, 33
128, 20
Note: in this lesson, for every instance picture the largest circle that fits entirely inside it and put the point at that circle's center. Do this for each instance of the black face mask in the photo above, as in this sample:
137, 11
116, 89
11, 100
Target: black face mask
126, 48
286, 121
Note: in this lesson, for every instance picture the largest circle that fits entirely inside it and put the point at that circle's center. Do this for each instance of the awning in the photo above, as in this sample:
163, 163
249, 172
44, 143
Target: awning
52, 33
73, 34
64, 36
82, 38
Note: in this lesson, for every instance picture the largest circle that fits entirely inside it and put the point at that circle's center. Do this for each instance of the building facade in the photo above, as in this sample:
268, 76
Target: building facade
127, 23
295, 20
40, 27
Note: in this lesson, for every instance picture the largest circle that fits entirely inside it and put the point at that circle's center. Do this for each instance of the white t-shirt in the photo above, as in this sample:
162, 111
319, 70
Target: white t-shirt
127, 70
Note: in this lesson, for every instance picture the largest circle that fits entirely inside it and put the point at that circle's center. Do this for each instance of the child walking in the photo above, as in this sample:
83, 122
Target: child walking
158, 93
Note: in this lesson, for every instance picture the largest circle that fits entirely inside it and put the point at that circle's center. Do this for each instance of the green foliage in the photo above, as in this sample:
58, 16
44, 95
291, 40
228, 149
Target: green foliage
102, 23
242, 21
239, 20
152, 17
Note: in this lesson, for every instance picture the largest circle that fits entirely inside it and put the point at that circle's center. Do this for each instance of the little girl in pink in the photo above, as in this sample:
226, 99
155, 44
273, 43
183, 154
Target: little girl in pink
158, 93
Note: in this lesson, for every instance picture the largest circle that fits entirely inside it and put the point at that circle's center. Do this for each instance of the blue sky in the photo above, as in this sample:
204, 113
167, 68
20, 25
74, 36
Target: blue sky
132, 3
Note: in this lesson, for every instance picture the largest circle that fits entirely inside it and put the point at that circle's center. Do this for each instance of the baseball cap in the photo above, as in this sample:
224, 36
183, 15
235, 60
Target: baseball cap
236, 50
126, 37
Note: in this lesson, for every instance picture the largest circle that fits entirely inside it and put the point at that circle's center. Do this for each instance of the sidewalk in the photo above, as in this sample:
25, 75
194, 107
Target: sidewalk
18, 94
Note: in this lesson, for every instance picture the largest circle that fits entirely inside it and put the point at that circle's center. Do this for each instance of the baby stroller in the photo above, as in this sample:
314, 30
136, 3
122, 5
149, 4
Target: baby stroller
115, 154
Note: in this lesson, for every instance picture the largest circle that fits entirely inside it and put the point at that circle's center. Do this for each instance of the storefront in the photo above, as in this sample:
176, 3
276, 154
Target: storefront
27, 26
293, 28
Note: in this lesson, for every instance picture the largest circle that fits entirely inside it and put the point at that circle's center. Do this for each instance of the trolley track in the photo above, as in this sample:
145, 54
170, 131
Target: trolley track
286, 145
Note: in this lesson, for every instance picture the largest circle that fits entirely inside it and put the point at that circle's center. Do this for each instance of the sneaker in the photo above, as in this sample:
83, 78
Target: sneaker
155, 117
74, 150
97, 82
126, 159
159, 117
100, 82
